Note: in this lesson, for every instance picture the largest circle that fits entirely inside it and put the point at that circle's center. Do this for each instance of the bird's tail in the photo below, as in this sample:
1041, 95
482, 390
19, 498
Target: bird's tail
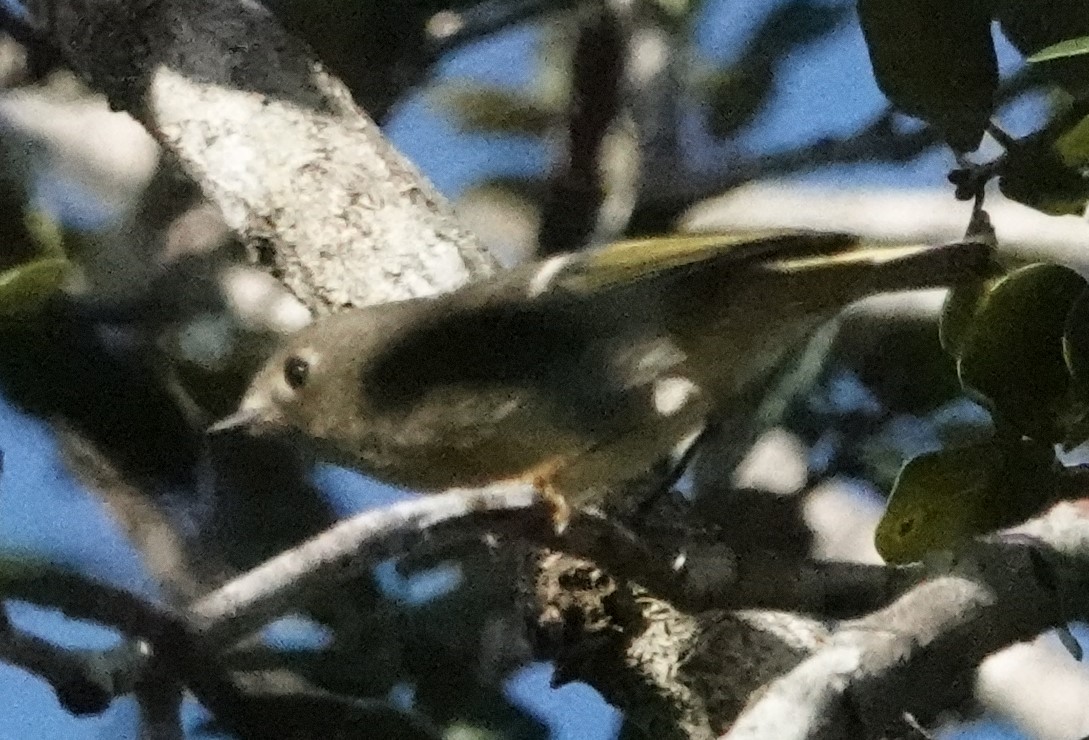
750, 320
861, 271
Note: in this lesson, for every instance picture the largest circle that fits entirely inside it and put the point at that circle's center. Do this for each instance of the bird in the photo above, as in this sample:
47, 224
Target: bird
580, 373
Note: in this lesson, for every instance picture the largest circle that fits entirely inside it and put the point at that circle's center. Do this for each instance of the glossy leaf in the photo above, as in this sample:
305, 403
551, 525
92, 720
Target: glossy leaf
1036, 26
1076, 341
1013, 355
1069, 48
1049, 174
958, 314
943, 499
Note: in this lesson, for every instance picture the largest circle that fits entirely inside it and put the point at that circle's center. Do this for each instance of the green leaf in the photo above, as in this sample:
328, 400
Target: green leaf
46, 232
1076, 341
1012, 357
1036, 27
25, 288
1048, 173
958, 313
943, 499
935, 60
1068, 48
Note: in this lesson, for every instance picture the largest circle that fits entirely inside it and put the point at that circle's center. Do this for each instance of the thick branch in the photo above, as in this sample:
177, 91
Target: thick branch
305, 177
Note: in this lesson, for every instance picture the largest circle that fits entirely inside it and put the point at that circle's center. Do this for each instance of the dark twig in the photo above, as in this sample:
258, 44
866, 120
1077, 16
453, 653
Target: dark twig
85, 681
172, 641
598, 90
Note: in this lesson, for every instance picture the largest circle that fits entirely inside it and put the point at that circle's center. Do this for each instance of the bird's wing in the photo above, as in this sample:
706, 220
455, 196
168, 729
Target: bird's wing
486, 351
628, 263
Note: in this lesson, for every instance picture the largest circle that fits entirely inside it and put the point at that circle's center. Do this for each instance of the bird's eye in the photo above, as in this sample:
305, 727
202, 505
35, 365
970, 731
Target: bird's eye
296, 372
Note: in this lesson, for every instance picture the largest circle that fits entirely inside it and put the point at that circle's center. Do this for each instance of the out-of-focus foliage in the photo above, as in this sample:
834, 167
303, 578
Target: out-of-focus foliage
935, 60
644, 145
738, 92
1047, 171
1033, 25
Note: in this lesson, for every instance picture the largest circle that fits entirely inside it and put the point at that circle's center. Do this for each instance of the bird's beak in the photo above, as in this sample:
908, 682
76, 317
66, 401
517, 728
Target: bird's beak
245, 419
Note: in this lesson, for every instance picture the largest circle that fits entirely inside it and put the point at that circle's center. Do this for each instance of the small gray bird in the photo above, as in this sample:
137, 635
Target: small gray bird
580, 373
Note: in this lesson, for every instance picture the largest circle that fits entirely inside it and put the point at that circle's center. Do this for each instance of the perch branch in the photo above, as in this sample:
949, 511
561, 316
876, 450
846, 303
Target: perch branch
701, 577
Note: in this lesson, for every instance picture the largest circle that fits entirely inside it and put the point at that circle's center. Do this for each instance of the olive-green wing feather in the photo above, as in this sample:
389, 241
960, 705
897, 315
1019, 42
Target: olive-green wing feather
625, 263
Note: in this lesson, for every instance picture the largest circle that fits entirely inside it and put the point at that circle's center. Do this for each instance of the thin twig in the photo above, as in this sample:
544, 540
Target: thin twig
248, 601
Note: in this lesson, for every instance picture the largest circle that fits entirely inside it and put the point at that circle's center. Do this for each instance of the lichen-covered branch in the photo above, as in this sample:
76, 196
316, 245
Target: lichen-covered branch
918, 654
300, 172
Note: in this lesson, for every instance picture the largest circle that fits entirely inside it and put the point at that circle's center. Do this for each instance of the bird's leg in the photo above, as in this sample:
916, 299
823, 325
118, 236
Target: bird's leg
543, 479
557, 503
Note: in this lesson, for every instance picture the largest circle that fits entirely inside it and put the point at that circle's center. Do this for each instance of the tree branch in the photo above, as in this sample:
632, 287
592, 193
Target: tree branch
599, 96
250, 600
85, 681
918, 654
693, 575
305, 177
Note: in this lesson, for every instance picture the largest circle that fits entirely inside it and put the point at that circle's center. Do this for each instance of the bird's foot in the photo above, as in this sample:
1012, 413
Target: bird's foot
559, 508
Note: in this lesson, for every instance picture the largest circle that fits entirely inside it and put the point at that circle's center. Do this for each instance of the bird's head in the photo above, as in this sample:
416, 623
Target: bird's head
312, 382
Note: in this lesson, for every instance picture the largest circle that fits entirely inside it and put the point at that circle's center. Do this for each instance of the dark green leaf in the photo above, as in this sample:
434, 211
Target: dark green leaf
1013, 355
